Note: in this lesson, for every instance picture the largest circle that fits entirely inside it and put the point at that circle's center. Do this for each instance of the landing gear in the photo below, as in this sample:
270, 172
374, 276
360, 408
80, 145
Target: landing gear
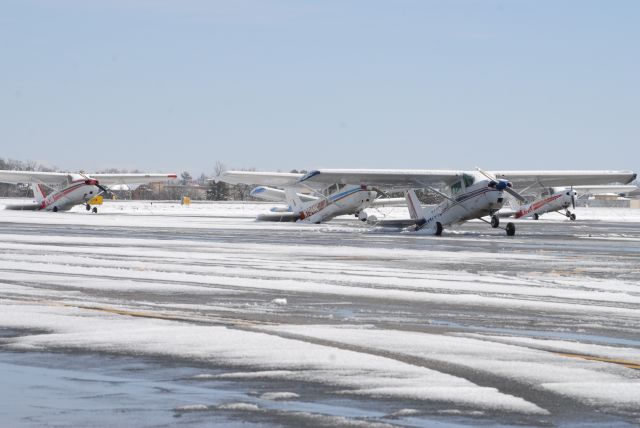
495, 222
536, 216
438, 229
95, 210
570, 215
55, 209
88, 207
362, 216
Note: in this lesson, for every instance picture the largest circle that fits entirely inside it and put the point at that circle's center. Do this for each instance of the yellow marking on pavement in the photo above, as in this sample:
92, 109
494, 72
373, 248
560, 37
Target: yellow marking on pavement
625, 363
157, 315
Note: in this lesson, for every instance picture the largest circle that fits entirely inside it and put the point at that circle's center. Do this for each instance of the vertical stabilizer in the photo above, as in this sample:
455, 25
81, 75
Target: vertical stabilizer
293, 200
413, 203
39, 192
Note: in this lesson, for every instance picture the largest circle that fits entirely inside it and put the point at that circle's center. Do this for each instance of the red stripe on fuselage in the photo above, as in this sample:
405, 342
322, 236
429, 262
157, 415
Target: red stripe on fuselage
56, 196
537, 205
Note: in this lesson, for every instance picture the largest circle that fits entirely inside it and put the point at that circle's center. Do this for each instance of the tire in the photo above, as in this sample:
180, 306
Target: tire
572, 217
55, 209
511, 229
438, 228
88, 207
95, 210
536, 216
495, 221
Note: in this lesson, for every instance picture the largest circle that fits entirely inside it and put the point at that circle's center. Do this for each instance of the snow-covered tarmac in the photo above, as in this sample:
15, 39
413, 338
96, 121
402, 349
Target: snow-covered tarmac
236, 321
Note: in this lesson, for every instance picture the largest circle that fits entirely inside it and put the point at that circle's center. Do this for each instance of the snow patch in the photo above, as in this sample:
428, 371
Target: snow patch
244, 407
276, 396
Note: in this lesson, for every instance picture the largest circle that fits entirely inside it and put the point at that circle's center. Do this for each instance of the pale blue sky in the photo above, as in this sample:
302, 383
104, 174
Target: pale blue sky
175, 85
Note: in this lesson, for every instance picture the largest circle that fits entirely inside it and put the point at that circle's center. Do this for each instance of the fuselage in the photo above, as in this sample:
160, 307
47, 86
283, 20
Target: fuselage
482, 198
76, 193
348, 200
555, 202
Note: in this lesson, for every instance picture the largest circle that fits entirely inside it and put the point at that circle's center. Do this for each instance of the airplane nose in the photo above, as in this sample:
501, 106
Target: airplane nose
502, 184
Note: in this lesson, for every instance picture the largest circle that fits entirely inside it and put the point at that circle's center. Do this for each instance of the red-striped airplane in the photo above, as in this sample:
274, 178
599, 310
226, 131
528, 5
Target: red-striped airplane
70, 189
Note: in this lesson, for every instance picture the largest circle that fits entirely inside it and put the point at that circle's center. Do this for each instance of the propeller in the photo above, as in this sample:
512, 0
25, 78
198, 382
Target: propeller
503, 185
573, 198
94, 182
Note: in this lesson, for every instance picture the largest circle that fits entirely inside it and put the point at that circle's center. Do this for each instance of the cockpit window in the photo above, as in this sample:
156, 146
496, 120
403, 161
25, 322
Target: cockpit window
332, 189
468, 179
456, 187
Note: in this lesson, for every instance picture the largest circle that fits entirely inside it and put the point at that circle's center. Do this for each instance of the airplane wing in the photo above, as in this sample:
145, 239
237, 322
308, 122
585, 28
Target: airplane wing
113, 179
385, 178
14, 177
599, 190
278, 179
389, 202
522, 179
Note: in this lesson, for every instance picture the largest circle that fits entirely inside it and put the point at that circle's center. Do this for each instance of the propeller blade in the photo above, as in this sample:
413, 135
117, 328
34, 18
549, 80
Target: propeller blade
515, 194
573, 198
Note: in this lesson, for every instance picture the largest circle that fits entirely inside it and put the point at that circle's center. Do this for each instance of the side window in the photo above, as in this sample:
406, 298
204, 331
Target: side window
468, 180
331, 189
456, 187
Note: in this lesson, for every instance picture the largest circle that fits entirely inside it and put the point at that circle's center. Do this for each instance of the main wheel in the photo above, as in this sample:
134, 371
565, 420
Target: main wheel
511, 229
362, 216
572, 217
495, 221
55, 209
536, 216
438, 228
95, 210
88, 207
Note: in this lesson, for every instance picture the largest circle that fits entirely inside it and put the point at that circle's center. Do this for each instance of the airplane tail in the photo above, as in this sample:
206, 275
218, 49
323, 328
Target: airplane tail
413, 203
39, 192
293, 200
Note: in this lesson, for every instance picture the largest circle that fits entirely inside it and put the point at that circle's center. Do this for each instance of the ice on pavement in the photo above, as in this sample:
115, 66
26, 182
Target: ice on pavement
538, 368
361, 373
472, 324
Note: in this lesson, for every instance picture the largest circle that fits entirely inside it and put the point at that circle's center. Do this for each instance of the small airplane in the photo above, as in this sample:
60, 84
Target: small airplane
557, 199
70, 189
323, 204
468, 195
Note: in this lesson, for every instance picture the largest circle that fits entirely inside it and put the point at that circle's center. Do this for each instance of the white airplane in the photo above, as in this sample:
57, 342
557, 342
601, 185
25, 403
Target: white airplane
299, 205
468, 195
325, 202
69, 190
557, 199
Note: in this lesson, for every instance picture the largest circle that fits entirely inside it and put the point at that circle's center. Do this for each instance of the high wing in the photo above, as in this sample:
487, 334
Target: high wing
388, 202
278, 179
14, 177
437, 178
112, 179
599, 190
525, 179
385, 178
64, 177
